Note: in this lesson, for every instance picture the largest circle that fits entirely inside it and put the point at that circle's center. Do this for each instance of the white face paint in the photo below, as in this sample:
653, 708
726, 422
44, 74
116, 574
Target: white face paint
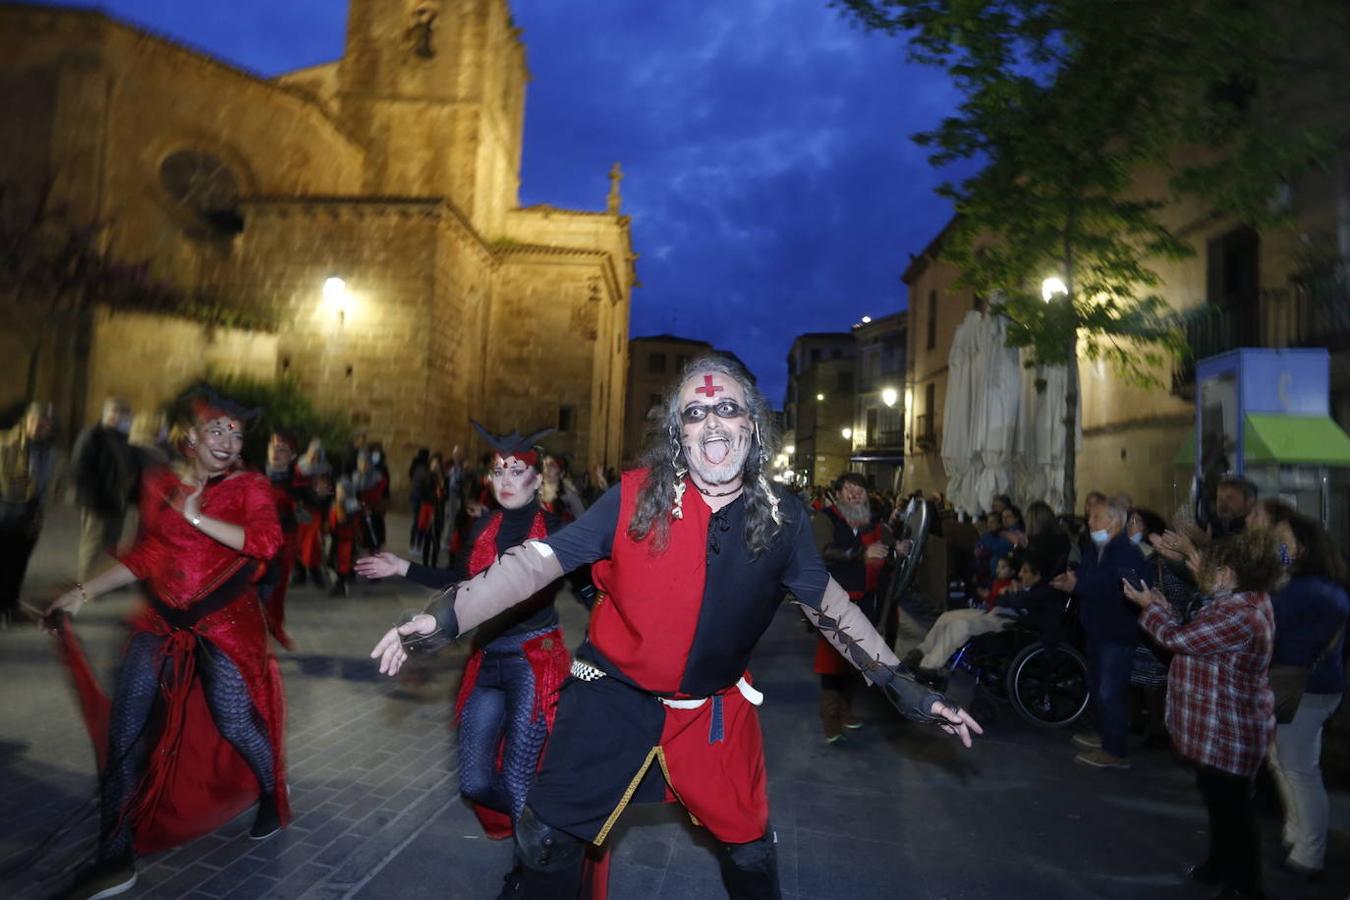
716, 431
514, 482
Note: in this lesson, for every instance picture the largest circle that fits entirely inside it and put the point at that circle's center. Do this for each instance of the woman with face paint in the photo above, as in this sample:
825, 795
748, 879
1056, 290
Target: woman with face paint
197, 675
508, 694
1310, 619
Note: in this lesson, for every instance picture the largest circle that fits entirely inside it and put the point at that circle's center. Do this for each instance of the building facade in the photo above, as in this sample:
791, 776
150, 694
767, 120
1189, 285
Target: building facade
1285, 288
937, 305
820, 405
392, 173
878, 431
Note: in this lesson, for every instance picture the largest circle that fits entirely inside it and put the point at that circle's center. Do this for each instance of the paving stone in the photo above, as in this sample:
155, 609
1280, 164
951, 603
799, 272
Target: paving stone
899, 811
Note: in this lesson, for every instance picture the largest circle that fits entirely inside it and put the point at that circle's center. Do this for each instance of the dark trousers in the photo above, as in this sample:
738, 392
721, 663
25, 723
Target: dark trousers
17, 540
1109, 666
1234, 839
498, 723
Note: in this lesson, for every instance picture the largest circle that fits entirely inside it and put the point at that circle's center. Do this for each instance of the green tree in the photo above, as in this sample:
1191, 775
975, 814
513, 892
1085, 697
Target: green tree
1065, 103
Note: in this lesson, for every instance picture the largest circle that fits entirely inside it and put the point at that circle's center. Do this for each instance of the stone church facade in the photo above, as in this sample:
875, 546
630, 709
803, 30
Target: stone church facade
395, 169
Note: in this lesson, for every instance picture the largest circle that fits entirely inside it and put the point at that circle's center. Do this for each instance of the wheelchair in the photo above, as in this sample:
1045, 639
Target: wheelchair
1037, 667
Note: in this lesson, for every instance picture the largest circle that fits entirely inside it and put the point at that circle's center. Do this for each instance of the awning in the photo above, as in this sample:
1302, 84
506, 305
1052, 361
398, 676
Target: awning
1272, 439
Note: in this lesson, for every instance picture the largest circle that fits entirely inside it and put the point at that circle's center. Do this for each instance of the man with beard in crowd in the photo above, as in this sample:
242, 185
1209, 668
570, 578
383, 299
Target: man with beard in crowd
691, 555
854, 547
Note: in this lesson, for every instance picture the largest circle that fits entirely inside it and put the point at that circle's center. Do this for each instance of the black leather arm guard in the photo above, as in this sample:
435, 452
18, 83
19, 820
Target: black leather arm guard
442, 637
843, 624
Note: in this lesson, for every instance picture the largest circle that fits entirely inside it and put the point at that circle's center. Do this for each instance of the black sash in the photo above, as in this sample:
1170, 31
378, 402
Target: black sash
229, 591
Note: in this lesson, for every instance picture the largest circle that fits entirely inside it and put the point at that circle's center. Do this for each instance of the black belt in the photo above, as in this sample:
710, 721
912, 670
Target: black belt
229, 591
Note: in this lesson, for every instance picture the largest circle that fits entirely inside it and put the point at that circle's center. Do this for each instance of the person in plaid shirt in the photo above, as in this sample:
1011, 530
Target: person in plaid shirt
1220, 709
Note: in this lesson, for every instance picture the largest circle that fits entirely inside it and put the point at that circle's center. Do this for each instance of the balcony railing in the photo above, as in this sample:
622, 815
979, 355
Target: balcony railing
883, 437
1312, 314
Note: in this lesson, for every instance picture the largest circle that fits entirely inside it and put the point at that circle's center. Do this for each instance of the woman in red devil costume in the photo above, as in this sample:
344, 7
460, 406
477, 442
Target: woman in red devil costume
198, 655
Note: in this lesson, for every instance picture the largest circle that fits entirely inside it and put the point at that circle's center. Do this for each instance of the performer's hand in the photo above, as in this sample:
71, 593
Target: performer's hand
905, 547
389, 651
876, 550
381, 565
71, 602
959, 722
192, 503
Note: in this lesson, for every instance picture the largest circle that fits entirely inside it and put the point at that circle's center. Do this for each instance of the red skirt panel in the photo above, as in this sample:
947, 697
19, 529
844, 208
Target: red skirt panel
722, 784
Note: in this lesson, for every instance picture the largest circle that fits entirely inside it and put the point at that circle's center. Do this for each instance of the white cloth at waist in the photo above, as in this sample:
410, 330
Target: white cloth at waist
587, 672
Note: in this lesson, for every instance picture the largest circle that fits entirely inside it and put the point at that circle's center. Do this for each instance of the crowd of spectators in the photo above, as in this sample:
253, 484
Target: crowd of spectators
1198, 633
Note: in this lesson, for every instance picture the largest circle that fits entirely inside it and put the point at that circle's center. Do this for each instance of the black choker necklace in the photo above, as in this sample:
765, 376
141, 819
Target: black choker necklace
708, 493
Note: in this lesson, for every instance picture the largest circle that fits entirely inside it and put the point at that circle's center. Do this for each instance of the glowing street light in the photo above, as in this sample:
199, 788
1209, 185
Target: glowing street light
335, 296
820, 396
847, 433
1053, 287
867, 320
790, 449
889, 396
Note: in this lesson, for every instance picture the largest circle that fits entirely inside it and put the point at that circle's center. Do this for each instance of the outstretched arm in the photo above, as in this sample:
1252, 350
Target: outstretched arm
847, 629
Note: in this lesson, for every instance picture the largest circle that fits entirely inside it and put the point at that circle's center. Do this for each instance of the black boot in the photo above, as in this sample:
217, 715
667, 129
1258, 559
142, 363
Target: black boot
299, 578
268, 820
105, 878
316, 575
339, 588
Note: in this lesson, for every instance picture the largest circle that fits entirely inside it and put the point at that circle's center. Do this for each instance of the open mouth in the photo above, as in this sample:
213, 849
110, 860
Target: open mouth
715, 449
221, 455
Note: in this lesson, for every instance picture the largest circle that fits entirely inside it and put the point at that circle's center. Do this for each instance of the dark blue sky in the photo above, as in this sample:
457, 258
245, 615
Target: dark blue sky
769, 172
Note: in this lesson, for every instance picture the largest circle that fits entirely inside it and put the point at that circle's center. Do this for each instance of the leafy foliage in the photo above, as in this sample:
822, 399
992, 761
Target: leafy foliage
1086, 118
284, 407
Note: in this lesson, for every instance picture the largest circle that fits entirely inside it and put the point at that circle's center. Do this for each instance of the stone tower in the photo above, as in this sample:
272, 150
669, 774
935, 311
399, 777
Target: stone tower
435, 90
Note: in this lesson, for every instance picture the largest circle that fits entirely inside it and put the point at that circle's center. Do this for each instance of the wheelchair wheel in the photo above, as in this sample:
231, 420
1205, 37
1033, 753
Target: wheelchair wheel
1047, 684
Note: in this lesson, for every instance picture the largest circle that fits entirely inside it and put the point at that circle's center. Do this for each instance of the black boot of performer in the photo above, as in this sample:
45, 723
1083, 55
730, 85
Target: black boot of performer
548, 862
750, 871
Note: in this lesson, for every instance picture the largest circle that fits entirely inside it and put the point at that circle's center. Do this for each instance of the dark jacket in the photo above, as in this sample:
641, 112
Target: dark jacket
1308, 613
1106, 615
104, 470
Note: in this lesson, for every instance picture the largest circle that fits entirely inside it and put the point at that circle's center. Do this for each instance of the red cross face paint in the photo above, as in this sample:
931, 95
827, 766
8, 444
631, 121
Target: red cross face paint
514, 481
716, 436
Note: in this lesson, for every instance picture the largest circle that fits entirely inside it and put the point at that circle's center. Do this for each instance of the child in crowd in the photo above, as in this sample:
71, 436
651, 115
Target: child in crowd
1005, 579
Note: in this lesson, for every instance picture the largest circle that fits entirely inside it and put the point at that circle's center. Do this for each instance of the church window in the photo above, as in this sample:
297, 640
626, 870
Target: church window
564, 419
656, 364
204, 190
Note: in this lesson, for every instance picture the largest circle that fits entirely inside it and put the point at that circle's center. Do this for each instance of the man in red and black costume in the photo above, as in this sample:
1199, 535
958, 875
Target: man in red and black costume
693, 554
508, 697
854, 547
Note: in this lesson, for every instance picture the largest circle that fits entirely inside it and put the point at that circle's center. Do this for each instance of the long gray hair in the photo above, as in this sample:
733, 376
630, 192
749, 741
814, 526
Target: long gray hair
665, 455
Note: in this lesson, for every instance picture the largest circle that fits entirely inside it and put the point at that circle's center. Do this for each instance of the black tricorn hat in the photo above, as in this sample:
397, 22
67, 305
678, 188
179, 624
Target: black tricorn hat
513, 444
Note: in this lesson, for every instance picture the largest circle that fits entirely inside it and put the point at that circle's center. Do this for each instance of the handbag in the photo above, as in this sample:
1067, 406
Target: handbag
1288, 682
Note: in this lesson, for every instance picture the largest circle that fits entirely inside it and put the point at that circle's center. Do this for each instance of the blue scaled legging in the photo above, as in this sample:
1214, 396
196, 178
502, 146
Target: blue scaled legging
501, 706
138, 689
